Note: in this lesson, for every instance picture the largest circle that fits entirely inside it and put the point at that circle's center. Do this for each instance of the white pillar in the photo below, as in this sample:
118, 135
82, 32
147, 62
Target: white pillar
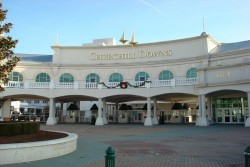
116, 112
247, 123
6, 110
148, 120
99, 120
199, 111
155, 120
209, 108
105, 121
52, 107
202, 120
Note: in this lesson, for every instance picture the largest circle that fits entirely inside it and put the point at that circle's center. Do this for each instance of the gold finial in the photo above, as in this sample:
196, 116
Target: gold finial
123, 40
132, 42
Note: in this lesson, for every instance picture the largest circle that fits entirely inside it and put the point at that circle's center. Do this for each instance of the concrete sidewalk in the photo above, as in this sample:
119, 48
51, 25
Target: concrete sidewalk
157, 146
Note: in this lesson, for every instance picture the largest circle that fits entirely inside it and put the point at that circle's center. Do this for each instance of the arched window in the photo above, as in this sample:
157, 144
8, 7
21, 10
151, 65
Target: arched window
92, 78
66, 78
166, 75
42, 77
16, 76
191, 73
115, 77
141, 76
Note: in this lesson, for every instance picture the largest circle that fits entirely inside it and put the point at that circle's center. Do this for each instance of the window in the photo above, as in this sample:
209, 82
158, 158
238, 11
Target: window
166, 75
42, 77
92, 78
191, 73
15, 76
66, 78
115, 77
141, 76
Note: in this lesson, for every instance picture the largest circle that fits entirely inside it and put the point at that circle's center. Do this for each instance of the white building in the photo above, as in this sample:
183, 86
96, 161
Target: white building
197, 71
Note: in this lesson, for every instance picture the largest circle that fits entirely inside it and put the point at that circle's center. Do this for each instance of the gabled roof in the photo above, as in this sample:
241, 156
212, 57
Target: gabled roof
227, 47
34, 57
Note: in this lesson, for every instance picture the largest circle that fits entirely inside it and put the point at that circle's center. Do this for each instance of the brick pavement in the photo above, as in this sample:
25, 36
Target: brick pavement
157, 146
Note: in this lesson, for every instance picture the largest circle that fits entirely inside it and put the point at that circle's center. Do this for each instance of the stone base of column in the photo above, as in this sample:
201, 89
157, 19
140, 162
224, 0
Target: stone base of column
247, 123
148, 122
202, 122
51, 121
105, 121
99, 121
155, 121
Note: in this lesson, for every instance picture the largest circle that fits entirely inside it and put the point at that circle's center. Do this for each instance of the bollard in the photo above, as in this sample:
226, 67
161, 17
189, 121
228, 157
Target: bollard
110, 157
247, 156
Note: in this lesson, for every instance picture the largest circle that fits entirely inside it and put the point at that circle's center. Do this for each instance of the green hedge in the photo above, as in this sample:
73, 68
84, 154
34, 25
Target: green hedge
17, 128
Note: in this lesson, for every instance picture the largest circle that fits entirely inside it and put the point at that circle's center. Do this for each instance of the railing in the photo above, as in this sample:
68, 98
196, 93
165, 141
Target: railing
103, 85
161, 83
185, 81
39, 84
14, 84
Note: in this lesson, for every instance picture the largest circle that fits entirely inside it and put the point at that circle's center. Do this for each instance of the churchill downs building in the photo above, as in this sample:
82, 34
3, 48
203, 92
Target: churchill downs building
193, 80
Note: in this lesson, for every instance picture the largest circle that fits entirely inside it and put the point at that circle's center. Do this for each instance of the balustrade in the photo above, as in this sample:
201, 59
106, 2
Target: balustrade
94, 85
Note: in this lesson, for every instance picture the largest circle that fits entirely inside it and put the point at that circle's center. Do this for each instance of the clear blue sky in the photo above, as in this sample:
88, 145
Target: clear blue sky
36, 22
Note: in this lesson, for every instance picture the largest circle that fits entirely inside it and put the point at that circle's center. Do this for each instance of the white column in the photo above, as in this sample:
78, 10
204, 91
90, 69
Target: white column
148, 120
155, 120
199, 111
209, 108
202, 120
105, 121
99, 120
247, 123
116, 112
52, 107
6, 110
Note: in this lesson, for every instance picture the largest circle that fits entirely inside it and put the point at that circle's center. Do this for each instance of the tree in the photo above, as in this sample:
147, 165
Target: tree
7, 59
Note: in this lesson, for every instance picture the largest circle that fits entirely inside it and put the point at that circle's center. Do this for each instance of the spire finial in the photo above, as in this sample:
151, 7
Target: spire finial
203, 24
56, 44
132, 42
123, 40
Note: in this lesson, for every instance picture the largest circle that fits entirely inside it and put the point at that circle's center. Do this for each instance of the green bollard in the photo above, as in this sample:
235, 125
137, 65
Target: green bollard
110, 157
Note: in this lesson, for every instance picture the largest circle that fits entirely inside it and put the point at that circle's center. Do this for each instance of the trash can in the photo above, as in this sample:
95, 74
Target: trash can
247, 156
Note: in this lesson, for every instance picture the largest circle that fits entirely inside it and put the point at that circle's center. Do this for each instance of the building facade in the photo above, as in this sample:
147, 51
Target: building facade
210, 80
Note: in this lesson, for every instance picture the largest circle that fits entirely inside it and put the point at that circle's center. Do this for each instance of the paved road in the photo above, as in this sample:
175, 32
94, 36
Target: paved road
157, 146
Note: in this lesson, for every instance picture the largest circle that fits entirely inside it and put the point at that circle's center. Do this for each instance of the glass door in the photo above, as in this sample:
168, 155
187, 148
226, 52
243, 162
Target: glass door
227, 115
219, 115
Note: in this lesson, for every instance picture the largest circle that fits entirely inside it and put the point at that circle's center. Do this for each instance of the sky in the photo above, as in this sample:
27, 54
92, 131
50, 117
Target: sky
36, 23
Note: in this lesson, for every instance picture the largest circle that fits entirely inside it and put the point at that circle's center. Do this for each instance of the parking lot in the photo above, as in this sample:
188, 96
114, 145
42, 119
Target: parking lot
159, 146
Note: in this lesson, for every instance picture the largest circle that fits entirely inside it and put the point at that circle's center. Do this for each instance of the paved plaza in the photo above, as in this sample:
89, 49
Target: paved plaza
157, 146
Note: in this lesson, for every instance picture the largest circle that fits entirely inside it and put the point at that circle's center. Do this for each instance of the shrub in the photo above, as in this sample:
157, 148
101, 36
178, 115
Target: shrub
17, 128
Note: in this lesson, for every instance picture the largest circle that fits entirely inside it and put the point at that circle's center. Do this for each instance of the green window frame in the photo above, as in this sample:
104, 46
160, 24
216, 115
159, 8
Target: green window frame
115, 77
166, 75
92, 77
66, 77
191, 73
43, 77
16, 76
141, 76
